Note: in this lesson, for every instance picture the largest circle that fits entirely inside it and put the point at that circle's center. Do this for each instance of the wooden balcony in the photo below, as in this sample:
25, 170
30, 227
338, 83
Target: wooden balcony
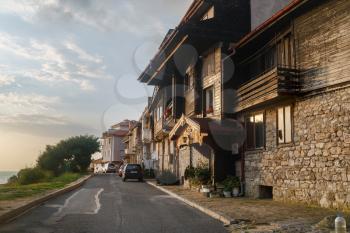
273, 84
158, 127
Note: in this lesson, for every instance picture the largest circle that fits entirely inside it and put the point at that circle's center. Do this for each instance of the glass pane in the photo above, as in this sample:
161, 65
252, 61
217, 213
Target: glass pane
288, 124
211, 97
250, 132
280, 130
259, 118
259, 131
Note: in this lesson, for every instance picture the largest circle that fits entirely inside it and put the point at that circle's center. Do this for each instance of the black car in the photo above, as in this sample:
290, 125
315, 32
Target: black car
111, 168
132, 171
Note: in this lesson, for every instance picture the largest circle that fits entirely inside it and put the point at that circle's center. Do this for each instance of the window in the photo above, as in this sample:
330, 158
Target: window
189, 78
209, 101
284, 123
209, 14
255, 131
158, 113
209, 64
285, 51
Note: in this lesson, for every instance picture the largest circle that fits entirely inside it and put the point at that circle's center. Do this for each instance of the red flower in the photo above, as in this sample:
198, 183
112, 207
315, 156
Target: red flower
210, 109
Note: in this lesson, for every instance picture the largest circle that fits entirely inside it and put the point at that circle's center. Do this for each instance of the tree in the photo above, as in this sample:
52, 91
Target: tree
80, 150
72, 154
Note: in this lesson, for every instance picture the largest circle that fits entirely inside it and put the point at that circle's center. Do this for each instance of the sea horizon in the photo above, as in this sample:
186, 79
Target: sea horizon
4, 175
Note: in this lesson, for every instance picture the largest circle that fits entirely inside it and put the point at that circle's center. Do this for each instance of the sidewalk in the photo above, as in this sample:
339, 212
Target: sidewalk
252, 215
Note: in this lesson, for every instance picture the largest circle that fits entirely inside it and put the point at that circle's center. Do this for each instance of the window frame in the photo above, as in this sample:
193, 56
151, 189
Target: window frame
210, 55
253, 114
284, 125
205, 113
209, 14
189, 79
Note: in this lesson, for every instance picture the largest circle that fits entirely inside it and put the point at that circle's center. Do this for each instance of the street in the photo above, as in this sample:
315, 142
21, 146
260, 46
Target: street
105, 204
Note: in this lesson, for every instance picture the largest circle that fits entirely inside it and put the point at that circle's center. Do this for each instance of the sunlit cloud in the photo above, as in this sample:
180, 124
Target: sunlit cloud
54, 62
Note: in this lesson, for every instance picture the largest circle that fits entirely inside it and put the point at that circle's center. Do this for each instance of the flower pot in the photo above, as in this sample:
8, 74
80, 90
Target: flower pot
235, 191
227, 193
205, 190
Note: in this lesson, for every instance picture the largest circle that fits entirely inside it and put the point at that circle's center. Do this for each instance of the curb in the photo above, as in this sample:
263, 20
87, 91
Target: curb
15, 213
225, 220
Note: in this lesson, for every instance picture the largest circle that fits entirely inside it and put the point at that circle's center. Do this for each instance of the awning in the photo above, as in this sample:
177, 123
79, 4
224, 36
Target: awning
222, 134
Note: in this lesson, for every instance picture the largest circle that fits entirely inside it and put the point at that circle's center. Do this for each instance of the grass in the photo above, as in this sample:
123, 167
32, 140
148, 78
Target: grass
14, 191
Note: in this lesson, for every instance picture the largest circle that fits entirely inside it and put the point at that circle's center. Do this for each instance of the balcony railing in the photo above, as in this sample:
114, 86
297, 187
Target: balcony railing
275, 83
158, 126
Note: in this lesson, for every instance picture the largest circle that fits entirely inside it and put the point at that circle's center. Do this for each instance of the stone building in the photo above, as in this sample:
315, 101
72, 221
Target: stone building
112, 146
293, 86
266, 99
187, 75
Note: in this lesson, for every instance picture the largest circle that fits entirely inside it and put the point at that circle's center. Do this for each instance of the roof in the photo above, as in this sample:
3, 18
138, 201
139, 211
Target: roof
173, 36
269, 22
117, 133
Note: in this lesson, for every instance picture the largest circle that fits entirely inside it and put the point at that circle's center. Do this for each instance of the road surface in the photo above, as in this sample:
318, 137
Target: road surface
104, 204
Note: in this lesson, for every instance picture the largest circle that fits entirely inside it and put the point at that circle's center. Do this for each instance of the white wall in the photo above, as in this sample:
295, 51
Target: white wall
261, 10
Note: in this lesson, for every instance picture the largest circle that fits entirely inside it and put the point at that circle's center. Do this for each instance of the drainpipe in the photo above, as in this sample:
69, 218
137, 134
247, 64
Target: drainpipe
242, 174
222, 79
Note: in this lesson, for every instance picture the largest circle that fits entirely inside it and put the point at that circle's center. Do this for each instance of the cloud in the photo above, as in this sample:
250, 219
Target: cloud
36, 114
13, 104
81, 53
6, 80
132, 16
61, 62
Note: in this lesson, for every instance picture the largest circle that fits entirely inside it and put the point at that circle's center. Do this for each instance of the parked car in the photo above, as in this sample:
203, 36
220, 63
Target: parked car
111, 168
132, 171
121, 169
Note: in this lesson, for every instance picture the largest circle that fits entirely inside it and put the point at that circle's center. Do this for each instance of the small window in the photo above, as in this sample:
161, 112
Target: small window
265, 192
209, 64
209, 101
209, 14
171, 159
284, 123
255, 131
189, 78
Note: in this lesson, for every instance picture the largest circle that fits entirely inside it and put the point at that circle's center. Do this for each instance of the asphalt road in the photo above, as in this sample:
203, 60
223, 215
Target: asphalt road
104, 204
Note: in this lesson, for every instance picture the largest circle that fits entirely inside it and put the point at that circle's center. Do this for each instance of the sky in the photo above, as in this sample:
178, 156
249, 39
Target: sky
70, 67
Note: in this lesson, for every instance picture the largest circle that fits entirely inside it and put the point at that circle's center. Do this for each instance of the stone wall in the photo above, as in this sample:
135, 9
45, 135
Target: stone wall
200, 157
315, 168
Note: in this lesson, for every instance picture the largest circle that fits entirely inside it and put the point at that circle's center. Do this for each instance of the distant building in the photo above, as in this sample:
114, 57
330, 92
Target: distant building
113, 149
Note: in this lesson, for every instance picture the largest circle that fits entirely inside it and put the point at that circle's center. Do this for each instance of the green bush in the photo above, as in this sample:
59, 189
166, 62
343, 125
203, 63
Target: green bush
189, 173
167, 178
12, 180
149, 173
202, 174
231, 182
33, 175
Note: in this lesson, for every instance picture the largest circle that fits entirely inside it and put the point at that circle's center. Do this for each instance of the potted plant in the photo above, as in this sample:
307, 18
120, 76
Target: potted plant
220, 188
227, 190
235, 186
231, 184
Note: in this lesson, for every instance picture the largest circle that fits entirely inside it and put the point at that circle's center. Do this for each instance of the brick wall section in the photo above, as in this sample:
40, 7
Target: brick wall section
315, 169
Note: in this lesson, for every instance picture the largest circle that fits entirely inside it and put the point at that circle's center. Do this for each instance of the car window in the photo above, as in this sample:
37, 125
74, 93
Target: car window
133, 167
